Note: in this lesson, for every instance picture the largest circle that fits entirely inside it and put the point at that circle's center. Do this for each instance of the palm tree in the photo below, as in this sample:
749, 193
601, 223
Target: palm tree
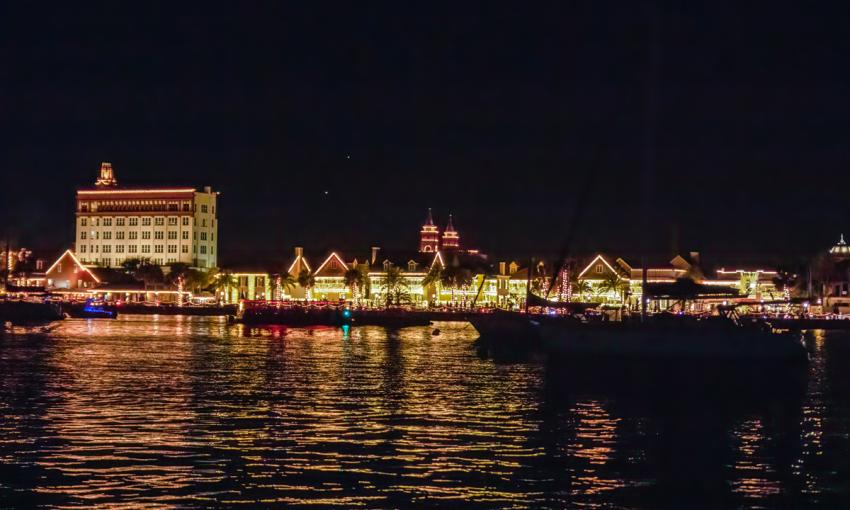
395, 286
283, 282
580, 286
784, 281
455, 277
149, 273
614, 283
354, 279
224, 281
307, 280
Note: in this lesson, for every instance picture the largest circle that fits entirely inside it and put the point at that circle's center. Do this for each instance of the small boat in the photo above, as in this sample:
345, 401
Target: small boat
28, 312
92, 309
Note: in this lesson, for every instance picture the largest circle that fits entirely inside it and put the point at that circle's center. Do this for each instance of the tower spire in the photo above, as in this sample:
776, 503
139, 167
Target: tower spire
107, 177
451, 239
429, 236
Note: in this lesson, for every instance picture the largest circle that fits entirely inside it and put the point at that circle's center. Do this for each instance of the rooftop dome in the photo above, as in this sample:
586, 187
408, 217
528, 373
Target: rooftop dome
840, 248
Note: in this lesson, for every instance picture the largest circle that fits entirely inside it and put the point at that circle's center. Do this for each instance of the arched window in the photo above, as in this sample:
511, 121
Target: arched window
427, 248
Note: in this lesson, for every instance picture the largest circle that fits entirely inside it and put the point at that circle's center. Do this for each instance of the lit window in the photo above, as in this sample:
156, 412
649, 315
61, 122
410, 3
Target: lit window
598, 268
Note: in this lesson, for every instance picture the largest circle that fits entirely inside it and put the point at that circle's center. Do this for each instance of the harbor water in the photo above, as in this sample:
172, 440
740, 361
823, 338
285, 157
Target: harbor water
160, 411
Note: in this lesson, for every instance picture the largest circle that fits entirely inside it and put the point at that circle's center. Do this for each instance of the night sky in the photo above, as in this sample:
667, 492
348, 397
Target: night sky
491, 113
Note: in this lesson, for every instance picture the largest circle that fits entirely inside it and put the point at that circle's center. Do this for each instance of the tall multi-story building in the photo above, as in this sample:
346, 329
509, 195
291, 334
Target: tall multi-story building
115, 223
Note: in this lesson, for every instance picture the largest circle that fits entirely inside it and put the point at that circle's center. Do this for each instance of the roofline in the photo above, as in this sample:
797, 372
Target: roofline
76, 261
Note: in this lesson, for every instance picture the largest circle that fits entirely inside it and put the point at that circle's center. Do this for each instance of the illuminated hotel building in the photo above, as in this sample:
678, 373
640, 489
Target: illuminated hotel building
115, 223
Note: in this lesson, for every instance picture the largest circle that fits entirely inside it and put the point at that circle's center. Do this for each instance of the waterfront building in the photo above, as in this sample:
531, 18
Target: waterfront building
834, 273
163, 224
614, 281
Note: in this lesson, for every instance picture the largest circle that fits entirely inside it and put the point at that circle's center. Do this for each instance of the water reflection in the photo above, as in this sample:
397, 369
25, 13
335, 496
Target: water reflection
195, 412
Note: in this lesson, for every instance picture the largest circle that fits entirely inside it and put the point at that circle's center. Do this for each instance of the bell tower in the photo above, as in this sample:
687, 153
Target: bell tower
429, 236
107, 178
451, 239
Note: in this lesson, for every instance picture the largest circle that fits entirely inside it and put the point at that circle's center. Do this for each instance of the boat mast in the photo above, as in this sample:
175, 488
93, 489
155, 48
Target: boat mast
649, 151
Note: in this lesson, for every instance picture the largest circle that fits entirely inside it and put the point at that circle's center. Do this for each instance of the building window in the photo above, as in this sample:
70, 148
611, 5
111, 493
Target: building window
212, 236
146, 222
211, 250
172, 235
107, 222
185, 234
172, 220
97, 222
184, 248
186, 207
172, 248
107, 235
158, 235
131, 248
107, 248
203, 236
411, 266
133, 235
84, 222
83, 234
134, 222
204, 222
83, 249
119, 222
157, 248
185, 221
119, 235
146, 234
107, 262
159, 221
203, 250
203, 208
119, 248
598, 269
146, 248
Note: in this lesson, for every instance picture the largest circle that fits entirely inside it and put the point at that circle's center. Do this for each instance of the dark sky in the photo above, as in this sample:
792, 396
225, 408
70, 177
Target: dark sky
489, 112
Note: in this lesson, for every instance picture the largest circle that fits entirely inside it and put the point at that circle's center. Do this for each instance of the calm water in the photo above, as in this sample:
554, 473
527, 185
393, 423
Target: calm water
192, 412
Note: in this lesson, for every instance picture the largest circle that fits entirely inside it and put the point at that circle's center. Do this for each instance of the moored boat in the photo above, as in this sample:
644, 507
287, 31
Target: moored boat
658, 337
